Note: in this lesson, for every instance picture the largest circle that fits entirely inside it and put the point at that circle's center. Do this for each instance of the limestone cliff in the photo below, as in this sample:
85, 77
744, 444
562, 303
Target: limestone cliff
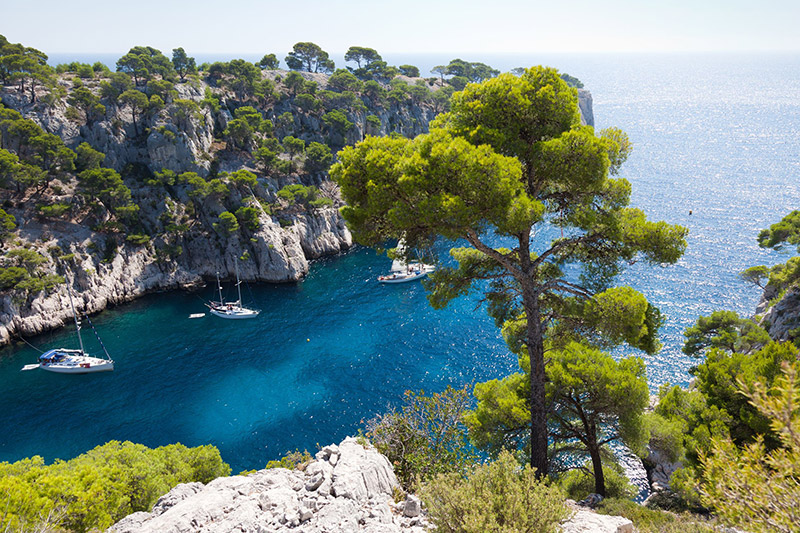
173, 238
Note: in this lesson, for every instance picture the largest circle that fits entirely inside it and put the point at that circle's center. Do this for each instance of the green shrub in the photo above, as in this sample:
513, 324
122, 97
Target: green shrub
227, 223
291, 460
427, 436
496, 497
101, 486
138, 239
54, 210
579, 483
652, 521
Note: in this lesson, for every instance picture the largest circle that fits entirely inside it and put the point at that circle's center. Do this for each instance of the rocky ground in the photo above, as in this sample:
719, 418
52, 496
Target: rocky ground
349, 487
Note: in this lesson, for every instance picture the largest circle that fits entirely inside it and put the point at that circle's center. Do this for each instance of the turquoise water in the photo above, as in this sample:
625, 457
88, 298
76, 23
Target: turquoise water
717, 135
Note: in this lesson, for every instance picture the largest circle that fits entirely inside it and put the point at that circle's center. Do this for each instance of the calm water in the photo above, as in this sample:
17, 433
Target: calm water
717, 135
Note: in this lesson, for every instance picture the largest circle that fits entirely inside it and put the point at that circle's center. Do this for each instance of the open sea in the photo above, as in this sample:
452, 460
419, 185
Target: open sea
716, 148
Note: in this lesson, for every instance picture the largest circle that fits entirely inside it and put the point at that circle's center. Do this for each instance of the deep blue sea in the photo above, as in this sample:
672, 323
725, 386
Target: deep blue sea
717, 136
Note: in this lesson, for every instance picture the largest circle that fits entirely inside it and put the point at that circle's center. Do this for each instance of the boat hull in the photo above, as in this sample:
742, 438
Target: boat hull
79, 365
234, 314
401, 278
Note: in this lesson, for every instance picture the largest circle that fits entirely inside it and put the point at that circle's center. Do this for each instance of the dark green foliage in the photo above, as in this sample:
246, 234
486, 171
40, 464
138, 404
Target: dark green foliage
101, 486
266, 158
118, 83
293, 146
337, 122
291, 460
182, 63
7, 224
142, 62
594, 400
138, 239
715, 408
409, 70
318, 157
138, 103
164, 89
310, 57
243, 179
226, 224
21, 271
785, 231
343, 80
426, 437
300, 194
268, 62
87, 102
724, 330
572, 81
87, 158
104, 185
248, 217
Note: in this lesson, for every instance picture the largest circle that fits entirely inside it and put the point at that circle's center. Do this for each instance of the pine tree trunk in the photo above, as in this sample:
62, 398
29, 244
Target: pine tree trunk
597, 467
537, 400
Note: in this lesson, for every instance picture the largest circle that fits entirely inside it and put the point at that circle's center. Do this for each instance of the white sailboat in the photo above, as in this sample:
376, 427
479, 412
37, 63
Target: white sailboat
71, 361
232, 310
403, 272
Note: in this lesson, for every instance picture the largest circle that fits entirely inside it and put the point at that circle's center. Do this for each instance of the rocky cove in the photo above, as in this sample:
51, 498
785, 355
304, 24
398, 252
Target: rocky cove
104, 268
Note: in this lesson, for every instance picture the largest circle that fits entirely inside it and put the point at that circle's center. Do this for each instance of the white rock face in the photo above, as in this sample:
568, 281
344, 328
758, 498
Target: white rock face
278, 255
279, 500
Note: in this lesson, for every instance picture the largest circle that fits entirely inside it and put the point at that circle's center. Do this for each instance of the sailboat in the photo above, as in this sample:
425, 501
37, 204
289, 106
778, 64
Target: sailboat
402, 272
232, 310
71, 361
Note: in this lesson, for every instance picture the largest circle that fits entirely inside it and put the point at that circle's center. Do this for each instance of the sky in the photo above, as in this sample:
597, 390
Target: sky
404, 26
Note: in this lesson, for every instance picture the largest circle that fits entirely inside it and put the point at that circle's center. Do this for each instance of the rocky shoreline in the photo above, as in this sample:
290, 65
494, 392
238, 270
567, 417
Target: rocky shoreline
278, 255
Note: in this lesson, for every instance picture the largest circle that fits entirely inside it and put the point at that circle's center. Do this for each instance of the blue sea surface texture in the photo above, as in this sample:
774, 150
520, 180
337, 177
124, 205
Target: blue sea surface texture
716, 148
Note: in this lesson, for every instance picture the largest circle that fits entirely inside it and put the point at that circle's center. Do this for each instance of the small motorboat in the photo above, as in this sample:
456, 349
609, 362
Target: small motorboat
413, 272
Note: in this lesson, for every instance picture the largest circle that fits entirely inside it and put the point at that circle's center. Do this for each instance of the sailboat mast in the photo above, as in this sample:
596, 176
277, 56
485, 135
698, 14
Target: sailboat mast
219, 286
75, 317
238, 283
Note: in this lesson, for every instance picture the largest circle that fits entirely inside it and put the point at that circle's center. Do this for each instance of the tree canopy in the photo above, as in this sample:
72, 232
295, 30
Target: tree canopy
509, 160
310, 57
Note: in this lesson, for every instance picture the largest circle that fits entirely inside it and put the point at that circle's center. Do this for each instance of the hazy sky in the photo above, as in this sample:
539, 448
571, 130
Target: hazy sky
411, 26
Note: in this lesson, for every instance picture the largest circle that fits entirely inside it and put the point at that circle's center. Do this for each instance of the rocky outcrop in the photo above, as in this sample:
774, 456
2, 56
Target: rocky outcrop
348, 487
585, 106
783, 316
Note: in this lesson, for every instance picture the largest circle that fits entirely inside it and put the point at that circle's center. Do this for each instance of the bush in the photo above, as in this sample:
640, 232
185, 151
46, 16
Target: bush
101, 486
291, 460
651, 521
496, 497
138, 239
426, 437
227, 223
579, 483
